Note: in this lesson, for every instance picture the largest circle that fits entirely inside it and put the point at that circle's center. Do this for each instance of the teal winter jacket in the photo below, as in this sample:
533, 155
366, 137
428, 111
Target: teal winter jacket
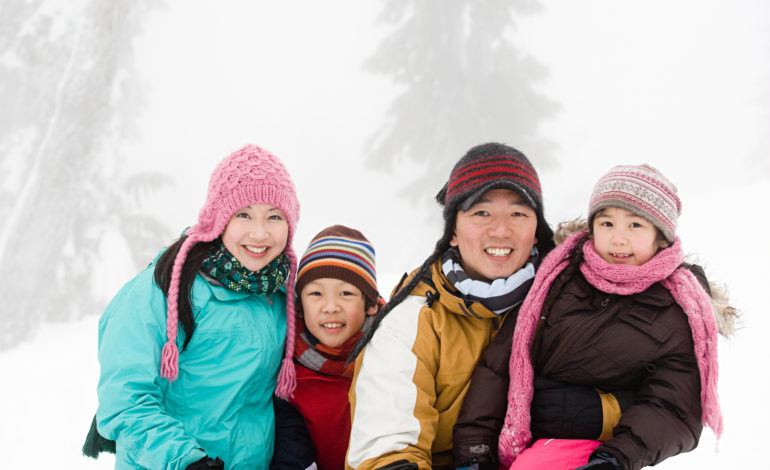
221, 403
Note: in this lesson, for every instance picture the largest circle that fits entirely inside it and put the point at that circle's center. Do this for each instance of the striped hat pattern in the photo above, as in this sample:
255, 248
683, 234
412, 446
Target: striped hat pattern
494, 166
343, 253
490, 167
486, 167
642, 190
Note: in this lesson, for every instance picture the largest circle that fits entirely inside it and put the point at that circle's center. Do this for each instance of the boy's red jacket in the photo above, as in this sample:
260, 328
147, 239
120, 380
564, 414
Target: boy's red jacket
323, 402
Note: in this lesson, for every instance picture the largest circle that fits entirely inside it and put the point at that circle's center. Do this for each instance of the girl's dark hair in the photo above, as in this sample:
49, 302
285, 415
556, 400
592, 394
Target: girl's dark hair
192, 264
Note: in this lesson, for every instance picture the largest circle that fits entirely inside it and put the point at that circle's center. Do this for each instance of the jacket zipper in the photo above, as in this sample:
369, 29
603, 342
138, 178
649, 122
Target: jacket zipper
578, 331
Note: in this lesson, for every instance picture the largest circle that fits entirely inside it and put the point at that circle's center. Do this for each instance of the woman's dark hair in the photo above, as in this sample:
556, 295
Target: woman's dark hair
441, 247
192, 264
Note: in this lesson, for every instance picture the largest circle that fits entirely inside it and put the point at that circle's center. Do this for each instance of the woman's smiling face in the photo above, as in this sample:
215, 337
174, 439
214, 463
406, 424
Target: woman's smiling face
256, 235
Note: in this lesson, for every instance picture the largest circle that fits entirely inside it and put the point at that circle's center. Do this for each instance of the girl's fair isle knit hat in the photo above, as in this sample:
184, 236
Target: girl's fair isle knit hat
343, 253
641, 190
248, 176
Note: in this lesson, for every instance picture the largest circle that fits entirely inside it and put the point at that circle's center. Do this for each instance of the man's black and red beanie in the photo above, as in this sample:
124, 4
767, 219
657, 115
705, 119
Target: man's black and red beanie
494, 166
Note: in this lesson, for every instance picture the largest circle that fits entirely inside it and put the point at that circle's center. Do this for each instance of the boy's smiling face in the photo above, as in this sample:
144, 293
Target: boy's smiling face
334, 310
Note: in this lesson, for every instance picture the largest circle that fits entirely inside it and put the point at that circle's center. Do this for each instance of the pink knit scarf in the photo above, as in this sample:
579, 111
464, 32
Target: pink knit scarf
612, 279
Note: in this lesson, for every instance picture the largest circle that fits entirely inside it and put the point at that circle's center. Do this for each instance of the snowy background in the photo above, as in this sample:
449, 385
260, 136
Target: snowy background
115, 113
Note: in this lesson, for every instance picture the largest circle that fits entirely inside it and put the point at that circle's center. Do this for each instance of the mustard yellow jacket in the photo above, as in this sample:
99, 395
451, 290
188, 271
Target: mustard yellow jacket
411, 379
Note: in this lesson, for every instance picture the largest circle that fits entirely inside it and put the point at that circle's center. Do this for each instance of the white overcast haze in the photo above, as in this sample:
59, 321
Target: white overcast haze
681, 85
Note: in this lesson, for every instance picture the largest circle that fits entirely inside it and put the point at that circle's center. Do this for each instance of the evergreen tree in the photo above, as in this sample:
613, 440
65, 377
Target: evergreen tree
464, 83
69, 95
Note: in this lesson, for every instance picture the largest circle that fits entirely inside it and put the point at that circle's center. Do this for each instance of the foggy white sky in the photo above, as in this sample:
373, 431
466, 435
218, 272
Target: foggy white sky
679, 85
682, 85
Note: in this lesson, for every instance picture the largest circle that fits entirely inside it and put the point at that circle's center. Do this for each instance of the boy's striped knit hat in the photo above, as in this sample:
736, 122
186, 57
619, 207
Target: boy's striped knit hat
343, 253
642, 190
494, 166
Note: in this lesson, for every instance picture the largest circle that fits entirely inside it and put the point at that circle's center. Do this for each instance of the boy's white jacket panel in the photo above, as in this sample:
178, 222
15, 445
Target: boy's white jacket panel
386, 395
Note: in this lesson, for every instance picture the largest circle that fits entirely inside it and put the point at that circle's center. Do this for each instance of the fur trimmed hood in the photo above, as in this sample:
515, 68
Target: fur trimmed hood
726, 315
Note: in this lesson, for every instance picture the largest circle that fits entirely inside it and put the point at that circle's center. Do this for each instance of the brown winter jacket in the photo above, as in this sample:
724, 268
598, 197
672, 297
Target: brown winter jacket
640, 342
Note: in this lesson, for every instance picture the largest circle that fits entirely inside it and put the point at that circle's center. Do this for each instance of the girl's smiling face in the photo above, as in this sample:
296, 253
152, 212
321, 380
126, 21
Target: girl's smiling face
256, 235
622, 237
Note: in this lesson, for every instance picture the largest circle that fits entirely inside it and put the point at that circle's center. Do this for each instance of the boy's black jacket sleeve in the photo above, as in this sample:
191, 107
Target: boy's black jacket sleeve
293, 448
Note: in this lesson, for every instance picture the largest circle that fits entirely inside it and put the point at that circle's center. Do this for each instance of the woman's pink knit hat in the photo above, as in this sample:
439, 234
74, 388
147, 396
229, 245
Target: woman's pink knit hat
248, 176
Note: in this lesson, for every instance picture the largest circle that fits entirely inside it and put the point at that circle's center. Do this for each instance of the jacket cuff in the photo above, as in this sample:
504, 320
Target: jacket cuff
610, 415
481, 452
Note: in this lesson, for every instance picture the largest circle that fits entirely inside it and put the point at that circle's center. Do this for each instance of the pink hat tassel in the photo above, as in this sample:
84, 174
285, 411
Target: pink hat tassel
169, 358
287, 379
